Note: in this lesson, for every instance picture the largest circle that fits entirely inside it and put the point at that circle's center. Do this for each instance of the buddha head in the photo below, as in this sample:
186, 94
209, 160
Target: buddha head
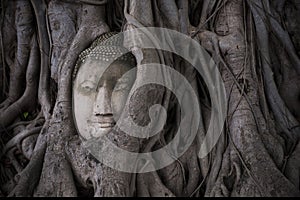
102, 82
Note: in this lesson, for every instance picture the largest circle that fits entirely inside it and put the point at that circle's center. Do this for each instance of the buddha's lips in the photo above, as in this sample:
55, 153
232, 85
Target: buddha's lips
104, 122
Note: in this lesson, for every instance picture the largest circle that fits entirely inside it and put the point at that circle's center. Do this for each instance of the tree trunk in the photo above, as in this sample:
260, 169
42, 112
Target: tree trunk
256, 46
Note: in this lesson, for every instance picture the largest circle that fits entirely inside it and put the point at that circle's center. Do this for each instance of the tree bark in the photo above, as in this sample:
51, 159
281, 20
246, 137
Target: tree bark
256, 46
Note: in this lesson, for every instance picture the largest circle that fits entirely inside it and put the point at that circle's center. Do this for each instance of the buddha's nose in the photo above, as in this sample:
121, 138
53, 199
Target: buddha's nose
102, 105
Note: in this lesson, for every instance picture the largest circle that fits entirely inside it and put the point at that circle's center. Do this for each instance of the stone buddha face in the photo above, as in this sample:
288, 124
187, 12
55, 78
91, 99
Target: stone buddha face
99, 95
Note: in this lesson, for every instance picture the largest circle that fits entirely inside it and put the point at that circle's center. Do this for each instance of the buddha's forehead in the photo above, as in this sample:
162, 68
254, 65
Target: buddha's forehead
93, 69
90, 70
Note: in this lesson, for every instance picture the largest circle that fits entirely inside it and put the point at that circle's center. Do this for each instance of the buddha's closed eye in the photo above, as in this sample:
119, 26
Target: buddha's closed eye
123, 84
88, 86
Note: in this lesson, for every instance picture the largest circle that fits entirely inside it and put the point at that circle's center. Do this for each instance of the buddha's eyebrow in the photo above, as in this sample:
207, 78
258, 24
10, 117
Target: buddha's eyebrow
87, 81
124, 79
90, 77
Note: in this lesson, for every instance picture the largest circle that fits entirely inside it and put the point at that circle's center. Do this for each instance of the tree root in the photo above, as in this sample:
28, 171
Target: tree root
244, 124
29, 177
83, 165
26, 102
270, 22
24, 27
150, 185
283, 116
53, 182
249, 164
17, 140
12, 159
44, 83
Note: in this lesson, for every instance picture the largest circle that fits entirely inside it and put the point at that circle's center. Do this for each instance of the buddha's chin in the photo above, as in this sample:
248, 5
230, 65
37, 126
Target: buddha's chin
99, 130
